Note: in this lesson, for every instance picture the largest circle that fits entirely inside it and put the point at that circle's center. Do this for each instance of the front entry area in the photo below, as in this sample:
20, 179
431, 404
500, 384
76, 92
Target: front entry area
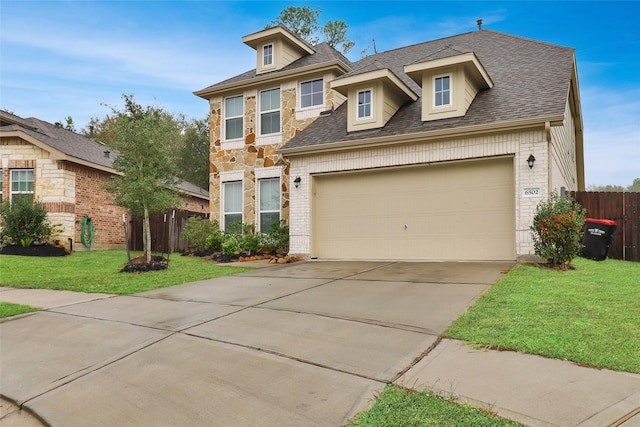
448, 211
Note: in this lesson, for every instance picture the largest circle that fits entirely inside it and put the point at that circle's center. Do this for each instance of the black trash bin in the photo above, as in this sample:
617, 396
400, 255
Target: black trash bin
597, 238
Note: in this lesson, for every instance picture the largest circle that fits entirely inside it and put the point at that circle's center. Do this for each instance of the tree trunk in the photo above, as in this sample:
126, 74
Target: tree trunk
146, 235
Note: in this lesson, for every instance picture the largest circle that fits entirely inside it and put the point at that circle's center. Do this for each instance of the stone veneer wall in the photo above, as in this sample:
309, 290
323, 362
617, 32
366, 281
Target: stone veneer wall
519, 145
255, 153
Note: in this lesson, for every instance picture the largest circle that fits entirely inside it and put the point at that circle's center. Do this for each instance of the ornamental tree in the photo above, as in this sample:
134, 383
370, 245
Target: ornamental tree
557, 229
142, 141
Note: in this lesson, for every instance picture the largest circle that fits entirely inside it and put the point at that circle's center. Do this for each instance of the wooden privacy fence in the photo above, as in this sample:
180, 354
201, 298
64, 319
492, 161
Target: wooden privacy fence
624, 209
163, 228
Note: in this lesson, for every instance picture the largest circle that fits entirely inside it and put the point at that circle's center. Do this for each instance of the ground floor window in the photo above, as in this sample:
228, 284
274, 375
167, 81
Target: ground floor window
269, 206
232, 205
21, 184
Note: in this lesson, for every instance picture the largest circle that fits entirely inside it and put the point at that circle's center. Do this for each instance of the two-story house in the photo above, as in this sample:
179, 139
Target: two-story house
255, 113
436, 151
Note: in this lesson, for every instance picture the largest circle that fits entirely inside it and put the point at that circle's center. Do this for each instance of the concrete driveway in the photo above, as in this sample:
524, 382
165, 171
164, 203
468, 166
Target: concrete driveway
309, 343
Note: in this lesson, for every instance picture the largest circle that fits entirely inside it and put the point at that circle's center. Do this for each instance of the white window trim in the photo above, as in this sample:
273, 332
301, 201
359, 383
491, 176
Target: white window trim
311, 107
11, 192
228, 176
258, 210
266, 173
223, 224
433, 92
260, 112
273, 55
370, 117
223, 137
270, 172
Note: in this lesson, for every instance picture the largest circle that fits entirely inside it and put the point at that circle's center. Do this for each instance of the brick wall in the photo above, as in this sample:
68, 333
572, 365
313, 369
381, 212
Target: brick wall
93, 201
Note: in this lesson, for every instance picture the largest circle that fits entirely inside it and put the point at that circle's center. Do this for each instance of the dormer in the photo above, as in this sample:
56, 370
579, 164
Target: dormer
373, 95
450, 80
276, 48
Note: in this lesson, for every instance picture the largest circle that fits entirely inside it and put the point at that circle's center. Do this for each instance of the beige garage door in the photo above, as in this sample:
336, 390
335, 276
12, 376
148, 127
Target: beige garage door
453, 211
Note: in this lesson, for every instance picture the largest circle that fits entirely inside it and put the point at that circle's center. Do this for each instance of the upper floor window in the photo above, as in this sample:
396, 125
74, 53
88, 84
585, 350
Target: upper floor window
364, 104
21, 184
267, 55
442, 91
270, 111
233, 117
311, 93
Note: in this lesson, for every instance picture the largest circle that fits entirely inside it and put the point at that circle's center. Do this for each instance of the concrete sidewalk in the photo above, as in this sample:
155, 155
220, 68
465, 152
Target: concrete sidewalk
301, 344
533, 390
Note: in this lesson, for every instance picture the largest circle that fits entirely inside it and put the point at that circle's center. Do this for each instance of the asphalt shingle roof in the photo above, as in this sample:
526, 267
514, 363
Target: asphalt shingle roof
74, 145
70, 143
323, 54
531, 80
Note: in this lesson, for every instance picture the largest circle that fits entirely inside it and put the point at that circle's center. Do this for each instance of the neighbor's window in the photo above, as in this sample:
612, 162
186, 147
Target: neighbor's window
232, 204
364, 104
442, 87
269, 203
233, 117
311, 93
267, 55
21, 184
270, 111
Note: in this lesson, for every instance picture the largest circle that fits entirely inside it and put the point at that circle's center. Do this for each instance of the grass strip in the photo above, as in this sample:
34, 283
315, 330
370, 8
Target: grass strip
99, 272
399, 407
589, 315
8, 309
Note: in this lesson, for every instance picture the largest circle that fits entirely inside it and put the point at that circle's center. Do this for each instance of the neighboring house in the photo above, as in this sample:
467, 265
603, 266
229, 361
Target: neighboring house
67, 172
441, 151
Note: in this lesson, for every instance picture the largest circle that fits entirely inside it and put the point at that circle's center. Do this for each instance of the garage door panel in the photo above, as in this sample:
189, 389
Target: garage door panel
445, 212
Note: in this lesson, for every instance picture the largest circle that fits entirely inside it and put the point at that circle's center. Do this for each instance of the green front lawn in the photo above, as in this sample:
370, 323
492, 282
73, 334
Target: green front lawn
398, 407
590, 315
99, 271
9, 309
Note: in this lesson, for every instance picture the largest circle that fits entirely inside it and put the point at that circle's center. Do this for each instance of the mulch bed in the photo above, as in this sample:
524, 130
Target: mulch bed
35, 250
140, 264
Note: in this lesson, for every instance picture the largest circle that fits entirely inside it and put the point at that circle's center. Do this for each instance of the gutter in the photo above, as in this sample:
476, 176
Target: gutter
422, 136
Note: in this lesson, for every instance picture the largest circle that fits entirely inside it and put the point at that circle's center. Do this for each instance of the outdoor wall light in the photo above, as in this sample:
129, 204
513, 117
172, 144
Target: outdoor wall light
297, 181
531, 160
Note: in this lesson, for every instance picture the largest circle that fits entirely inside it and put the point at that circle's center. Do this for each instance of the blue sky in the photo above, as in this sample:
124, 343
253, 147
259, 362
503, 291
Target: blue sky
69, 58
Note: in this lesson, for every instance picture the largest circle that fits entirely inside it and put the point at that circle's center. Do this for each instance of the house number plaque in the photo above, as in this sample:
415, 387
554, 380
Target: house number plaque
531, 192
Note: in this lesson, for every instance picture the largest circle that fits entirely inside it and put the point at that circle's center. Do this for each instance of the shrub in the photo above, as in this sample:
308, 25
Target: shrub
231, 247
276, 238
214, 241
25, 222
251, 243
557, 229
196, 231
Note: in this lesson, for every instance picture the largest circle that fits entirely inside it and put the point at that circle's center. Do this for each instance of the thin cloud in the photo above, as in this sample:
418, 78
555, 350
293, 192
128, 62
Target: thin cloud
611, 135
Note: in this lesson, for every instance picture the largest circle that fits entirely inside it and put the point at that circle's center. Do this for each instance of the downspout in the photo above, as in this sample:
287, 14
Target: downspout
547, 132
